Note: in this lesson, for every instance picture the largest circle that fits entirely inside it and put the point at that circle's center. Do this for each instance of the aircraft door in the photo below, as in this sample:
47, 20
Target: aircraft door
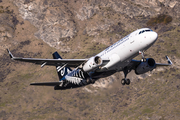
131, 39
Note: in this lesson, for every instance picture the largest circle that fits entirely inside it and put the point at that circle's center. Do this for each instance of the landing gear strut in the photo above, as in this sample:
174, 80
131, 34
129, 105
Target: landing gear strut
126, 81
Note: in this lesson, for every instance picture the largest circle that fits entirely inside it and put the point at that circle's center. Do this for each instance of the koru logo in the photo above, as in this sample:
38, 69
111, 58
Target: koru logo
62, 72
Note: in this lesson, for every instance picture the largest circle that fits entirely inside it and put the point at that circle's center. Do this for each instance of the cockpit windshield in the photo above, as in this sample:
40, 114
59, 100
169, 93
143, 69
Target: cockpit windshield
145, 31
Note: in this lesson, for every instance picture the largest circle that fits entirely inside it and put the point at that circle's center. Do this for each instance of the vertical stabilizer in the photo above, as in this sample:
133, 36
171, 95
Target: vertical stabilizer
61, 70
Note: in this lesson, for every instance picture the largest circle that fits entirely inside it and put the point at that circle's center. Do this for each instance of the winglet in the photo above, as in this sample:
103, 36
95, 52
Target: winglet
169, 61
10, 54
162, 64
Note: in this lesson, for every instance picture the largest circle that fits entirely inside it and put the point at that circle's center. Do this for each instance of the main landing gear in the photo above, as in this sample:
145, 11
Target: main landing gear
126, 70
126, 81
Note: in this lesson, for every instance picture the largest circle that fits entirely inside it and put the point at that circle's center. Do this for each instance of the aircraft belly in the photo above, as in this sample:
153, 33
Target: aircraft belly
103, 74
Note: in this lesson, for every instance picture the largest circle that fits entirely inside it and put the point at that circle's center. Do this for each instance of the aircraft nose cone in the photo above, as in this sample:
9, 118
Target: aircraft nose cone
154, 36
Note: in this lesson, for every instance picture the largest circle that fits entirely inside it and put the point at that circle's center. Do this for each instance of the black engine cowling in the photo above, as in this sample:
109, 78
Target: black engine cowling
146, 66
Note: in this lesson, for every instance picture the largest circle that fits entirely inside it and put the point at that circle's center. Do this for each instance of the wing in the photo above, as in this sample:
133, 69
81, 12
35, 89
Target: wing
135, 63
162, 64
52, 62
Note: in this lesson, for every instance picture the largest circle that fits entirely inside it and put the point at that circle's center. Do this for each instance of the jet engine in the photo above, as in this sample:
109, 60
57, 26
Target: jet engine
146, 66
92, 64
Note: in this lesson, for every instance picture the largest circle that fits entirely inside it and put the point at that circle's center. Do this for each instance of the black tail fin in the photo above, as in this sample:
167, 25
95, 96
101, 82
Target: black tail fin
62, 71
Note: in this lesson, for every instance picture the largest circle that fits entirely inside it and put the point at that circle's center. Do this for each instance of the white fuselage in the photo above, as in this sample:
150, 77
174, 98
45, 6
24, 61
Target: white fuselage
121, 53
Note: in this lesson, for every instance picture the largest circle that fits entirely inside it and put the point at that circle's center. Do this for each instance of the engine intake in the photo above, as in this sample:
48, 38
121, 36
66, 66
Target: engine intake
92, 64
146, 66
98, 60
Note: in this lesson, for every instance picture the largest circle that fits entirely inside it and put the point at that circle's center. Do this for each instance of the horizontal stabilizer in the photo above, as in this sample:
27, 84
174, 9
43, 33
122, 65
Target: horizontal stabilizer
46, 83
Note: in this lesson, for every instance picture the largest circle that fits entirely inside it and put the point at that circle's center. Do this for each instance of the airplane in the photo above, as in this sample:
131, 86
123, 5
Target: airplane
115, 58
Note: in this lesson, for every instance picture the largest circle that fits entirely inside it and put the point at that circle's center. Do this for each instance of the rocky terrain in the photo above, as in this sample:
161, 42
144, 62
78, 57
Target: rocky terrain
80, 29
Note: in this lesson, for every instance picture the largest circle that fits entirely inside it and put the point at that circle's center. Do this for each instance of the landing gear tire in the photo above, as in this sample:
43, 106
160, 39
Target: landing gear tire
125, 81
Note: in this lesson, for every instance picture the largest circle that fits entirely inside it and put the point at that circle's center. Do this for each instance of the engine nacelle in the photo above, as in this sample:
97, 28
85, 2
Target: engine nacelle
146, 66
92, 64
